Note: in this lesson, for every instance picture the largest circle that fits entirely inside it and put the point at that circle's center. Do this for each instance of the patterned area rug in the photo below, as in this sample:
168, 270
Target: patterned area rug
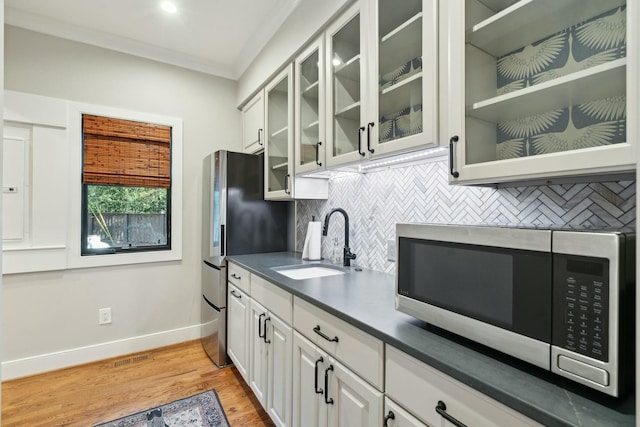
201, 410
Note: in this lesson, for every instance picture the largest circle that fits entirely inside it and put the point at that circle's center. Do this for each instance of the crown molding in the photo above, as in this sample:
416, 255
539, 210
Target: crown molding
68, 31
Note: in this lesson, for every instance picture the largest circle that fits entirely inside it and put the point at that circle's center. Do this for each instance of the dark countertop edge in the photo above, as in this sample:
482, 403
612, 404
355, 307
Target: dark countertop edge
537, 413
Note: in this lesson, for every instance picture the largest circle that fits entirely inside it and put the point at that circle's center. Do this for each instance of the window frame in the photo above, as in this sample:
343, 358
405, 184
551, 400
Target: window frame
76, 190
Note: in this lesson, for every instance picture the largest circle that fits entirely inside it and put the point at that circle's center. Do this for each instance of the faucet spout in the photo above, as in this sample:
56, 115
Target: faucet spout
346, 252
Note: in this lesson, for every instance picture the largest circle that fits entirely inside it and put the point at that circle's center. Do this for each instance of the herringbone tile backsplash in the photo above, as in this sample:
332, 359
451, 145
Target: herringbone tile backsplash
377, 201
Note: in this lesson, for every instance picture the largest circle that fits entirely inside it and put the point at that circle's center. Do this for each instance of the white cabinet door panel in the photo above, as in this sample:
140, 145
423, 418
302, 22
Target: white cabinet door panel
238, 330
279, 337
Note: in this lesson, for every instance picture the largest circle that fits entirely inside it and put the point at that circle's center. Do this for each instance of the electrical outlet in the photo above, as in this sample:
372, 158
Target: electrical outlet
391, 250
104, 316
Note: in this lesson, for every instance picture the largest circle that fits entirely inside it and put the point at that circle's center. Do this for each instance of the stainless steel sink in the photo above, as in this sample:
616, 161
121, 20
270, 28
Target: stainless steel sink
308, 271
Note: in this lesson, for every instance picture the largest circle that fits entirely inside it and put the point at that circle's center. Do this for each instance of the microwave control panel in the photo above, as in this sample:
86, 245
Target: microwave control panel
581, 302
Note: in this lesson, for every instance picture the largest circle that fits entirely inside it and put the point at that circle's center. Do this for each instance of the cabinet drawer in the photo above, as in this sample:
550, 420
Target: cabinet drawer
396, 416
273, 298
239, 277
420, 387
358, 350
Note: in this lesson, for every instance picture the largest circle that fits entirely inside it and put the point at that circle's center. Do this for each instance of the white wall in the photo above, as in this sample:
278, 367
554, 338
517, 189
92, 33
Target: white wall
50, 319
301, 26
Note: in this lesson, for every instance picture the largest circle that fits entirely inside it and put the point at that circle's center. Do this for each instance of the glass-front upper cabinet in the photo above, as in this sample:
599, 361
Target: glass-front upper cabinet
310, 110
345, 86
381, 79
405, 101
278, 168
544, 85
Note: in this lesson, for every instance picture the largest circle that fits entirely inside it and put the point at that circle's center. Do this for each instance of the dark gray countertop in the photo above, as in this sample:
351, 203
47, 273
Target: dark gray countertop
365, 299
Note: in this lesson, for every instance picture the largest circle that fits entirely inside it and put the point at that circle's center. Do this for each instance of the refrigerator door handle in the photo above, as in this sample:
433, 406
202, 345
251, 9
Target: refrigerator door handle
222, 245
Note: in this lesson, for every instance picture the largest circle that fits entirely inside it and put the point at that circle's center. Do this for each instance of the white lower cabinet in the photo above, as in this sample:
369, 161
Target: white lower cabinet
396, 416
270, 349
238, 304
439, 400
326, 393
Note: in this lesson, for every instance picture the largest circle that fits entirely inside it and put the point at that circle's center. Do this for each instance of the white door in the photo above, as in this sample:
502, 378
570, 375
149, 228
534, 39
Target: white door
253, 124
278, 157
238, 330
346, 87
310, 110
309, 363
279, 354
404, 79
258, 352
351, 401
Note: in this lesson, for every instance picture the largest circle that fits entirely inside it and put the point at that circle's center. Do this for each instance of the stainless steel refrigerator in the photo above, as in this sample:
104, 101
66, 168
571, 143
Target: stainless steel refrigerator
235, 220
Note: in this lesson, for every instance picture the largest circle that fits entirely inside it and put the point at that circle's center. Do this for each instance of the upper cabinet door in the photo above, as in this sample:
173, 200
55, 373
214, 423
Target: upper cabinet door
403, 101
278, 168
537, 90
253, 124
382, 80
346, 86
310, 109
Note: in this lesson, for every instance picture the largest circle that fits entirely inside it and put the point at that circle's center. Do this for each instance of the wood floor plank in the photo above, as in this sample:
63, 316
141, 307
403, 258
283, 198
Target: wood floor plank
109, 389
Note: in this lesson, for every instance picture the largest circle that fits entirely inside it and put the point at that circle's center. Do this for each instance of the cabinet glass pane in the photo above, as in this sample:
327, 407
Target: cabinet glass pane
345, 58
278, 125
543, 77
309, 108
400, 69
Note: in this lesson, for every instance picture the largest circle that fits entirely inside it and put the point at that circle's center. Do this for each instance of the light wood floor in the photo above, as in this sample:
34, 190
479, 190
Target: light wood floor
110, 389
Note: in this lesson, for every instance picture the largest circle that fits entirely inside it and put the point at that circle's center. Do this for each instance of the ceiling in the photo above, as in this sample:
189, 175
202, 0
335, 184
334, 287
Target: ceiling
219, 37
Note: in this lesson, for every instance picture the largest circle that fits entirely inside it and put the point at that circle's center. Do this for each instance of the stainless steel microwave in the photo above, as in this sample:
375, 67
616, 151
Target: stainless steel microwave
563, 300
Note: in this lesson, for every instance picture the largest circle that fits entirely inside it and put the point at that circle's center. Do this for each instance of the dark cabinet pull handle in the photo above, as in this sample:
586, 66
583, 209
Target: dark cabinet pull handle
454, 173
286, 184
389, 416
260, 326
235, 276
328, 400
315, 380
369, 126
360, 130
442, 410
323, 335
259, 139
318, 162
233, 292
268, 319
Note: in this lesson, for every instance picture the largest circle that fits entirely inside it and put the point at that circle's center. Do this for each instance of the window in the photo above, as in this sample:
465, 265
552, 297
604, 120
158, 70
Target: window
126, 186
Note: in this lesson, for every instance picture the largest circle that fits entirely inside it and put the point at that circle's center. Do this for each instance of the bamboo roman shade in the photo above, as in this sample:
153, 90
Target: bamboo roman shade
123, 152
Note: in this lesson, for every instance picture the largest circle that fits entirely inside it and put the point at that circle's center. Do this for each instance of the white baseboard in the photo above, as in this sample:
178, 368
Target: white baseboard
76, 356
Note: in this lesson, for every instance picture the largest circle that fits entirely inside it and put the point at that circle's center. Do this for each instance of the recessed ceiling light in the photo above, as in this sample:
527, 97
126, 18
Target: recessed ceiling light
168, 7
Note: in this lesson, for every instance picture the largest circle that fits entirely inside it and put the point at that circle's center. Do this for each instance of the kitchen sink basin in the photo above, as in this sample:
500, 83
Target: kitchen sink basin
308, 271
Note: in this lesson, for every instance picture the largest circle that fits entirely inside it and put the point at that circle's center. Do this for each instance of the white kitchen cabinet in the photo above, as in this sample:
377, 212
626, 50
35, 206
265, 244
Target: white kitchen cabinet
381, 80
280, 181
432, 396
310, 109
326, 393
258, 348
359, 351
253, 124
271, 349
396, 416
238, 323
537, 90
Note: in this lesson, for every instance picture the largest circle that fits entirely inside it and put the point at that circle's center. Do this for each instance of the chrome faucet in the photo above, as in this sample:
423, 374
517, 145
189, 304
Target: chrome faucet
346, 252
